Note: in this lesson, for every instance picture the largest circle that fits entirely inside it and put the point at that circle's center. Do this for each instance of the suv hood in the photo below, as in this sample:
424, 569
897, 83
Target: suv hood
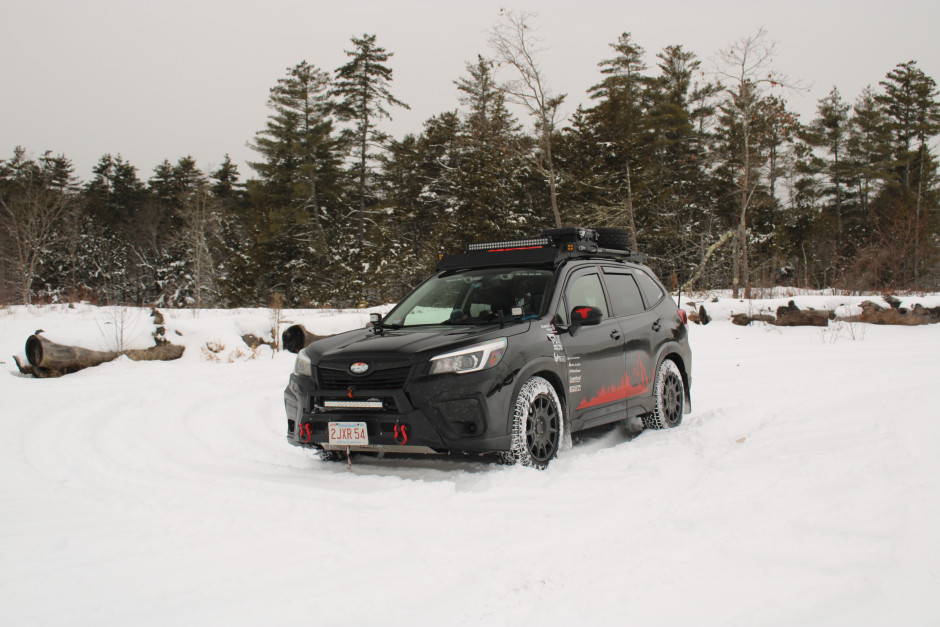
411, 344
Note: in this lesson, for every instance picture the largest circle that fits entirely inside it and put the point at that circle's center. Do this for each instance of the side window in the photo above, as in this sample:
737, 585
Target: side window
561, 316
587, 290
624, 294
651, 290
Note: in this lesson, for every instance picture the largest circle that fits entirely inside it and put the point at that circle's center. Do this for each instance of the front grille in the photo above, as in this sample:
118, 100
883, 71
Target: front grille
391, 379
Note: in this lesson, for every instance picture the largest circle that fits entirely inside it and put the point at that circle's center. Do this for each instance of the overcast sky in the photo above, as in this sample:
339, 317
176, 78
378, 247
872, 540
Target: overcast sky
161, 79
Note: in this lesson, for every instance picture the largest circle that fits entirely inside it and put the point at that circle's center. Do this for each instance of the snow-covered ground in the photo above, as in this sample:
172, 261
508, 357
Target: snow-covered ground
804, 489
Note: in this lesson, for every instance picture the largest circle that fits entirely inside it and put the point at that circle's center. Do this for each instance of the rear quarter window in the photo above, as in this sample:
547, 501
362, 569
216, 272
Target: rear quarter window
652, 293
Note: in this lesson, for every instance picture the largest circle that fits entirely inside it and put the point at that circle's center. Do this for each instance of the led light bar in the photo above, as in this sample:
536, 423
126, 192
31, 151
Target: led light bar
535, 242
352, 404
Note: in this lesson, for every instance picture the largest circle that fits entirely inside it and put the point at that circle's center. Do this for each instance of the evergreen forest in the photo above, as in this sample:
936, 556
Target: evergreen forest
711, 172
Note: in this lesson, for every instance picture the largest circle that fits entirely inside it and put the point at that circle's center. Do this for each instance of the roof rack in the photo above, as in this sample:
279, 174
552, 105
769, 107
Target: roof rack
555, 246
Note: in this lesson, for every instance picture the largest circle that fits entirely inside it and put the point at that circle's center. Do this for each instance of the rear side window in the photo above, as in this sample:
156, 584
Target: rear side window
624, 294
650, 288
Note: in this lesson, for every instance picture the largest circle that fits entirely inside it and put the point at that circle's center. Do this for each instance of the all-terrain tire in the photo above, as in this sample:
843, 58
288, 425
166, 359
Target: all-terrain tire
538, 425
615, 239
668, 396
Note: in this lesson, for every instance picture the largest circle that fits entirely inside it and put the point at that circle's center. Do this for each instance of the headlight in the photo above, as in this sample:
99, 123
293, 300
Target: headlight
302, 366
470, 359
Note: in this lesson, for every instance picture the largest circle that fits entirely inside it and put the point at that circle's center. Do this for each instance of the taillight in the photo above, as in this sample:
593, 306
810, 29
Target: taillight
683, 316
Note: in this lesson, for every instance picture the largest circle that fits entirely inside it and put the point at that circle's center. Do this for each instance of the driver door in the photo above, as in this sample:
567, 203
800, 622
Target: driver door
595, 354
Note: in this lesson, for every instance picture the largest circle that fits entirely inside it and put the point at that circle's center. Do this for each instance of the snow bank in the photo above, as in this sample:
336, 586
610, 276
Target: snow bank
721, 306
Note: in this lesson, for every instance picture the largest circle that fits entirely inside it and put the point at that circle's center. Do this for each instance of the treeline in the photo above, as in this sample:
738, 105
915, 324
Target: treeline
713, 174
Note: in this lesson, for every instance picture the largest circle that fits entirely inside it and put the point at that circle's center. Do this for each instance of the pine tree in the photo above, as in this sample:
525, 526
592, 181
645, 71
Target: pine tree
114, 194
829, 133
226, 186
421, 192
868, 148
486, 181
619, 118
300, 152
910, 102
363, 97
678, 195
298, 195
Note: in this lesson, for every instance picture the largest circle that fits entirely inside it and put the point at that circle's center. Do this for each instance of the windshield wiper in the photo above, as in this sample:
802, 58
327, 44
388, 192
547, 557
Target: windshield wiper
411, 326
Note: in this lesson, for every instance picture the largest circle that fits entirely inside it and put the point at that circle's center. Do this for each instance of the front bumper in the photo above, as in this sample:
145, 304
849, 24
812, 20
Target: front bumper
465, 413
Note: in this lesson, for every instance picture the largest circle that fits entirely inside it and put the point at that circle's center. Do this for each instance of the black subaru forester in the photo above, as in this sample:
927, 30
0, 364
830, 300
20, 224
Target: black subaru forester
509, 348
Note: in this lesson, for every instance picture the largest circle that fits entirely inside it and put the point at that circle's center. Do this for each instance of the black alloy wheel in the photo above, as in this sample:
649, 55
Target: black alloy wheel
543, 429
669, 398
538, 425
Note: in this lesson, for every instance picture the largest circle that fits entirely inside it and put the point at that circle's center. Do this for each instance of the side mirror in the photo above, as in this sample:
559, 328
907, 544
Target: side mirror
375, 321
582, 315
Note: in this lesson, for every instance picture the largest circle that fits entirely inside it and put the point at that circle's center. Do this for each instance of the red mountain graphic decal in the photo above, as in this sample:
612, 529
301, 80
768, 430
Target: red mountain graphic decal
638, 383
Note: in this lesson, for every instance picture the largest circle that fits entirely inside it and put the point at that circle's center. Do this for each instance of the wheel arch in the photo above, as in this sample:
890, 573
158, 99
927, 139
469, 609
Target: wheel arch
671, 351
548, 370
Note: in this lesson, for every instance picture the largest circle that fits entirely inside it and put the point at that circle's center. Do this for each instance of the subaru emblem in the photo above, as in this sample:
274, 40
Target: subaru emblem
359, 367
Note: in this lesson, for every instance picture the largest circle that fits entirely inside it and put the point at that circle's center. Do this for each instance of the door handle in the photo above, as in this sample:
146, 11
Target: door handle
656, 325
615, 335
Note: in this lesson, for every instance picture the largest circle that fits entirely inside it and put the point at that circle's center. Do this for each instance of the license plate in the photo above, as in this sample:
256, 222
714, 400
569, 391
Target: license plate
348, 433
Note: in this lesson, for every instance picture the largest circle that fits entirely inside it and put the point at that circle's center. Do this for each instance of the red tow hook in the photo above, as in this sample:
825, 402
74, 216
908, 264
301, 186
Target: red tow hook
305, 433
401, 432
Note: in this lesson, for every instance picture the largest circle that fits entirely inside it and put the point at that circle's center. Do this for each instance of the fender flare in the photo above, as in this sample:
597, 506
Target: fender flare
674, 347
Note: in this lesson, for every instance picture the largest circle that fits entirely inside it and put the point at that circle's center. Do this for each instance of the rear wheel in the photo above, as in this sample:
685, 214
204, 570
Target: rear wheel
538, 425
669, 397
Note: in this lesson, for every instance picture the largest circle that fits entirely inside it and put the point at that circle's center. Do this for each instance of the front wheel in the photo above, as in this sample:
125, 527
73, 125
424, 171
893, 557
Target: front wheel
538, 425
669, 397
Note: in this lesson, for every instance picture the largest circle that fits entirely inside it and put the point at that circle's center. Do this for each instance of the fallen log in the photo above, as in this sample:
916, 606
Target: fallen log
790, 315
49, 359
295, 338
743, 320
163, 352
253, 341
874, 313
50, 356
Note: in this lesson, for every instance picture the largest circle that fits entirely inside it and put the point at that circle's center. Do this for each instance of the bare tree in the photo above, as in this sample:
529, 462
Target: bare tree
35, 201
202, 224
746, 76
516, 46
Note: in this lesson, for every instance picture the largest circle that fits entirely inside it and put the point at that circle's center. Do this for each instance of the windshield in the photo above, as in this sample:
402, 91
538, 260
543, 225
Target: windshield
474, 297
